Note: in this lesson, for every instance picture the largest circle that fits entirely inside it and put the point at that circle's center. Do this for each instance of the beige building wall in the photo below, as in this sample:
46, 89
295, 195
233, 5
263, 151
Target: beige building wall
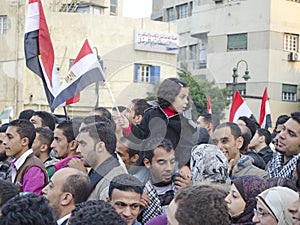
113, 36
268, 62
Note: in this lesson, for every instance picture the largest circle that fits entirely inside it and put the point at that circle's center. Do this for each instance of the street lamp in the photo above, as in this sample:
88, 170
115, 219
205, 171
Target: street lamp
235, 75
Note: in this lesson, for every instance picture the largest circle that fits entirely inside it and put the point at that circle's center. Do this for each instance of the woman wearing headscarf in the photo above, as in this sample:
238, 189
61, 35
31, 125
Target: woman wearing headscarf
272, 206
241, 199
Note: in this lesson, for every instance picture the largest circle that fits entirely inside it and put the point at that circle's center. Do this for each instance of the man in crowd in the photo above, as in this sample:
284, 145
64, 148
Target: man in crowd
67, 188
43, 119
209, 122
260, 144
96, 146
228, 137
5, 162
131, 156
136, 109
41, 148
159, 159
64, 144
284, 162
28, 171
124, 194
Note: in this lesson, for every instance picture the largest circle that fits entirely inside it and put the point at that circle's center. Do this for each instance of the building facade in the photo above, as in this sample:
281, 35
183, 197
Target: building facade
217, 36
135, 53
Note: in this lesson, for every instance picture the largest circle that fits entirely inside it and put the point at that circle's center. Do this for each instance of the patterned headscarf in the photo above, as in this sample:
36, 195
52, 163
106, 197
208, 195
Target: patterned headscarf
277, 200
249, 186
208, 163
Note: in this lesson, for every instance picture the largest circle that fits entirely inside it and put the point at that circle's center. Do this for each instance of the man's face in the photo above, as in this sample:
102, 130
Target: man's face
254, 141
87, 149
162, 166
230, 146
54, 192
36, 121
131, 113
127, 204
289, 138
171, 213
13, 143
2, 136
36, 145
122, 151
294, 209
60, 144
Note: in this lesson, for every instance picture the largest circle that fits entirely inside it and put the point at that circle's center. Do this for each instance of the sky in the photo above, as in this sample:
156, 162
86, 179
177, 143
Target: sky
137, 8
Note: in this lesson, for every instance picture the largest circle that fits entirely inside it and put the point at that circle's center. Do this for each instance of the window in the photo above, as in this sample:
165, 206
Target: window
146, 74
241, 87
289, 92
170, 14
182, 11
194, 52
291, 42
236, 42
3, 25
113, 7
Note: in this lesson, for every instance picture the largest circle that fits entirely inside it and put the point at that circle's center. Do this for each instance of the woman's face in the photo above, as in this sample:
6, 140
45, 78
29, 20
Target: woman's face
181, 100
235, 202
262, 216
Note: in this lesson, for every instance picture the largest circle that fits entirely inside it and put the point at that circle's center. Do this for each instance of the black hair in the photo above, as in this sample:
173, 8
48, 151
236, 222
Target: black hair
101, 132
103, 111
25, 129
140, 106
3, 128
234, 128
99, 118
67, 127
7, 191
150, 145
120, 108
211, 118
168, 90
46, 136
26, 114
95, 212
296, 116
125, 182
266, 134
250, 123
48, 120
27, 209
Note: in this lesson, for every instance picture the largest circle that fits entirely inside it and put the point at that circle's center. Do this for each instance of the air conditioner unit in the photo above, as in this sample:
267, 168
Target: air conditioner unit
293, 57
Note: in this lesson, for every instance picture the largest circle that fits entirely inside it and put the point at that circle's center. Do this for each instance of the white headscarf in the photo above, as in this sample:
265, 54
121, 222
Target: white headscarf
278, 199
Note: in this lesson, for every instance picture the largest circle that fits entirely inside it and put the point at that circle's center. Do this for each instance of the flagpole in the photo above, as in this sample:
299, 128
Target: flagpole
66, 115
112, 97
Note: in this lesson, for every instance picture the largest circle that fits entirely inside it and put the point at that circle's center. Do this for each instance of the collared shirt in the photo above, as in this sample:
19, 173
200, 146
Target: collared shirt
63, 219
33, 180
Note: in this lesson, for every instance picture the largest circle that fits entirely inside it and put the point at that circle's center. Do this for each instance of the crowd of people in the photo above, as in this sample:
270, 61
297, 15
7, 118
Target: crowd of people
149, 163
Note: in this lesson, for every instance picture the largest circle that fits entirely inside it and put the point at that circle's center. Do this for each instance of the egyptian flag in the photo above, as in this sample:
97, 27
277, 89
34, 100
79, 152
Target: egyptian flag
265, 114
39, 52
84, 71
208, 105
239, 108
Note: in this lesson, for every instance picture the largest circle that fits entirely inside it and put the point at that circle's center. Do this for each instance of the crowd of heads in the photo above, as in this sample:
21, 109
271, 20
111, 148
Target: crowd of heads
149, 163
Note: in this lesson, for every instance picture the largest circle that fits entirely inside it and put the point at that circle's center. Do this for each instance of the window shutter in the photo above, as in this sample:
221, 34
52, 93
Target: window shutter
136, 73
154, 74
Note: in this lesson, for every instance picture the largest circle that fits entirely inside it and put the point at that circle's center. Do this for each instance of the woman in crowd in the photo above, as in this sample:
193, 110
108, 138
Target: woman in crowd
272, 206
241, 198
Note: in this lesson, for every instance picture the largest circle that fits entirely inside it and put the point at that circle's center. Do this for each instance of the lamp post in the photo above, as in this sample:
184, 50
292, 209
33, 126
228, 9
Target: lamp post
235, 75
97, 83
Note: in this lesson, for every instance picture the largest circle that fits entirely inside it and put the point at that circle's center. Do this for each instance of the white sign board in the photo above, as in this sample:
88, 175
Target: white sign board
156, 41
